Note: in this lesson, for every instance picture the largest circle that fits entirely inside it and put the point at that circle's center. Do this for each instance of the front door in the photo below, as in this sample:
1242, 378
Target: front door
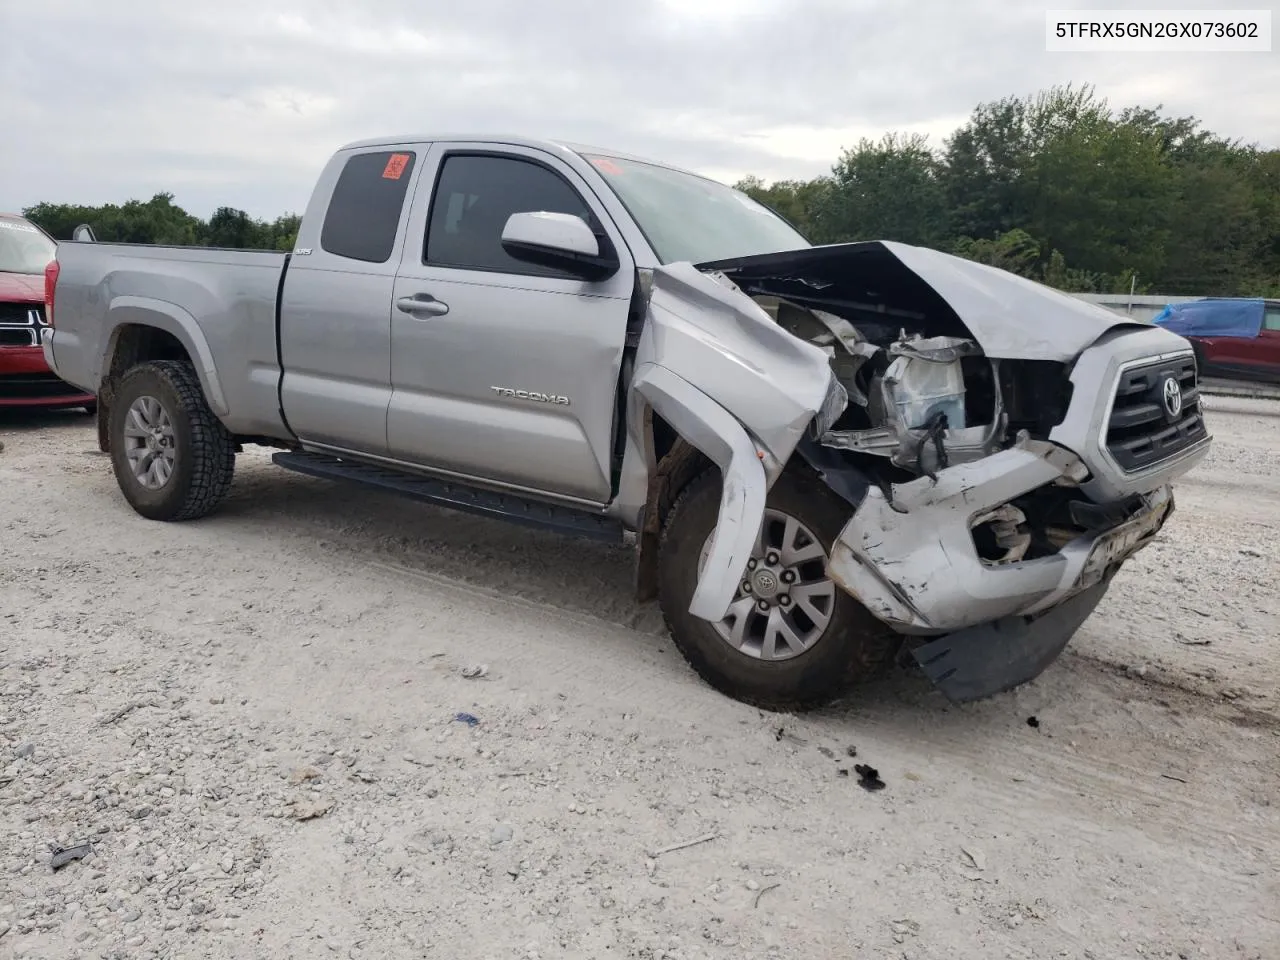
503, 371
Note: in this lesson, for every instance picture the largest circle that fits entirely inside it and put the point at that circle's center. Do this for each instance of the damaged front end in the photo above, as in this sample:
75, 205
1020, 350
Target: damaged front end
971, 528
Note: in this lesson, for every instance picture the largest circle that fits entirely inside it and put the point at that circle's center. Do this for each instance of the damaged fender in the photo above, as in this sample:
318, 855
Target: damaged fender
707, 331
758, 389
710, 428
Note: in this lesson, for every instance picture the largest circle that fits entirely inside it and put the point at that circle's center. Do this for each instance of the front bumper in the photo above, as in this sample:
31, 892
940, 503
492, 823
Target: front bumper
917, 567
27, 381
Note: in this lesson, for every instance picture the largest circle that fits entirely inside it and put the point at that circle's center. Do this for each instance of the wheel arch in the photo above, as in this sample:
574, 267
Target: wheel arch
141, 330
677, 464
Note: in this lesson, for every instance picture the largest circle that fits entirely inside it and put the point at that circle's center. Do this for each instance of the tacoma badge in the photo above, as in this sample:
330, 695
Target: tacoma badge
533, 395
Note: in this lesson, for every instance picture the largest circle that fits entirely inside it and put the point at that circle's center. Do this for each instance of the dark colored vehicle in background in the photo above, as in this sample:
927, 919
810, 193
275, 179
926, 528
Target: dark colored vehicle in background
25, 378
1237, 339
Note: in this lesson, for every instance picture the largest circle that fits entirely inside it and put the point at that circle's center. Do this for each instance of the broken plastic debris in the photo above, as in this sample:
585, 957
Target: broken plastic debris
64, 855
868, 777
469, 719
476, 672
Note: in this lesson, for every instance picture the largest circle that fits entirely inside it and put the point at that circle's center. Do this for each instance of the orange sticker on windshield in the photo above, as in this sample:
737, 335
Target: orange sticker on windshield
605, 165
395, 166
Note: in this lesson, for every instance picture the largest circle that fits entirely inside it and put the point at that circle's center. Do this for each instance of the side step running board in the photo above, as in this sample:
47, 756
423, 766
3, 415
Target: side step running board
456, 496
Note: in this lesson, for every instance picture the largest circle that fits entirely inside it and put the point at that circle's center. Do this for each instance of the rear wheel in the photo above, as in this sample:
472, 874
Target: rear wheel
792, 639
172, 458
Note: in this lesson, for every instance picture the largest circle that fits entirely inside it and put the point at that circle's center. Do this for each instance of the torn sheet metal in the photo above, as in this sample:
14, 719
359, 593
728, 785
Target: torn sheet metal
702, 328
914, 564
710, 428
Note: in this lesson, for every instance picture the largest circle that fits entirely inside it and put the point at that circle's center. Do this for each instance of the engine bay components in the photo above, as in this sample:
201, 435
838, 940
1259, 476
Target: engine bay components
906, 399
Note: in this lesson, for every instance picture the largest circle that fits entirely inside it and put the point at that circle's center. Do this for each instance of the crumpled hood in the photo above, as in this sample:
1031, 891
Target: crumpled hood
1010, 317
21, 288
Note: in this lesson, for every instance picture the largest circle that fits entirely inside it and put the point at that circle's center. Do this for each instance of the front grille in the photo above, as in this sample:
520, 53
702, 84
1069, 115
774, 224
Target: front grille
34, 386
20, 324
1144, 430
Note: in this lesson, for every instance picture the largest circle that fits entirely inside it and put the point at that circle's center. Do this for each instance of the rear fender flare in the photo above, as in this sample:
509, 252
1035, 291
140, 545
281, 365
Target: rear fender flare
171, 318
706, 425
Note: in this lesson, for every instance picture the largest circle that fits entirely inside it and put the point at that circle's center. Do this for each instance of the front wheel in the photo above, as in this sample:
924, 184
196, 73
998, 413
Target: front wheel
792, 639
172, 458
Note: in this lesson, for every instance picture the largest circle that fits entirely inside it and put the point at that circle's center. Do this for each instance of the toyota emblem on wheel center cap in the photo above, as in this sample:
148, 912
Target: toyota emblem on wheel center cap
765, 583
1172, 398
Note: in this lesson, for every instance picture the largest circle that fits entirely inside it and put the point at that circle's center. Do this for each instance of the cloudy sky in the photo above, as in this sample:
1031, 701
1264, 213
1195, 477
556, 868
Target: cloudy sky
239, 102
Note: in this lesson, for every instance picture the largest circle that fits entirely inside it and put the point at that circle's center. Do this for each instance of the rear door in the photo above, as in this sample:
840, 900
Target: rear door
335, 310
511, 377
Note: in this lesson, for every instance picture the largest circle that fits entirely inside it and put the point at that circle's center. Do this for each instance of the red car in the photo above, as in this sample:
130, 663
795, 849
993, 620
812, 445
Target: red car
1234, 338
1252, 358
25, 379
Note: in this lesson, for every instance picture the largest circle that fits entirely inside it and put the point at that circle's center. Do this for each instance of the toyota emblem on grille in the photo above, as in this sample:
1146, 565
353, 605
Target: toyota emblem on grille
1172, 398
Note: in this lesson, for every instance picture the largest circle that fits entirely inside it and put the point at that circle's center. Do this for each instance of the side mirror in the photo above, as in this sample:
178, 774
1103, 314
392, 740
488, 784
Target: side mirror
562, 241
84, 234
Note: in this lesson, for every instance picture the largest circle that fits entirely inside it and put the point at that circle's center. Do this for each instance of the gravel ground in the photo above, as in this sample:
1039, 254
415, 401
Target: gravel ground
251, 720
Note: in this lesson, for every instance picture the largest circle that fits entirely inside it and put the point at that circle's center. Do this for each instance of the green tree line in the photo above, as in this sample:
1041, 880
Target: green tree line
1061, 188
160, 220
1057, 186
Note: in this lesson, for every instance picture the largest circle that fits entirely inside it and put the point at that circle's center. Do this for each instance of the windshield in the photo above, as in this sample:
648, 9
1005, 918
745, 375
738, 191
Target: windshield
23, 248
687, 217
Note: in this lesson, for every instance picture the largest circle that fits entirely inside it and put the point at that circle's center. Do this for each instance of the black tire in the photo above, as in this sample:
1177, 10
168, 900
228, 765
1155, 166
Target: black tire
91, 409
204, 452
854, 647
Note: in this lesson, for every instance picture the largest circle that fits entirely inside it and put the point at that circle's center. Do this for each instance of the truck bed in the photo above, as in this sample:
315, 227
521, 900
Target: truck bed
234, 294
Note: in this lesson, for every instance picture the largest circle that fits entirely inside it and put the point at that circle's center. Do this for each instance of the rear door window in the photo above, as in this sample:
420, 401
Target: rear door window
1271, 319
364, 211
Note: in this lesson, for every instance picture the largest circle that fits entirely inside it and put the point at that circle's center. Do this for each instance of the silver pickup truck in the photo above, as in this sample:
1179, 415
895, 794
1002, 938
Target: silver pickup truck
824, 457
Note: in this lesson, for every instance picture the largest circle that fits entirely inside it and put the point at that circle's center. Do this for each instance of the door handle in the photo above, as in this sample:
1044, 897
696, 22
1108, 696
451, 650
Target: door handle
422, 305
